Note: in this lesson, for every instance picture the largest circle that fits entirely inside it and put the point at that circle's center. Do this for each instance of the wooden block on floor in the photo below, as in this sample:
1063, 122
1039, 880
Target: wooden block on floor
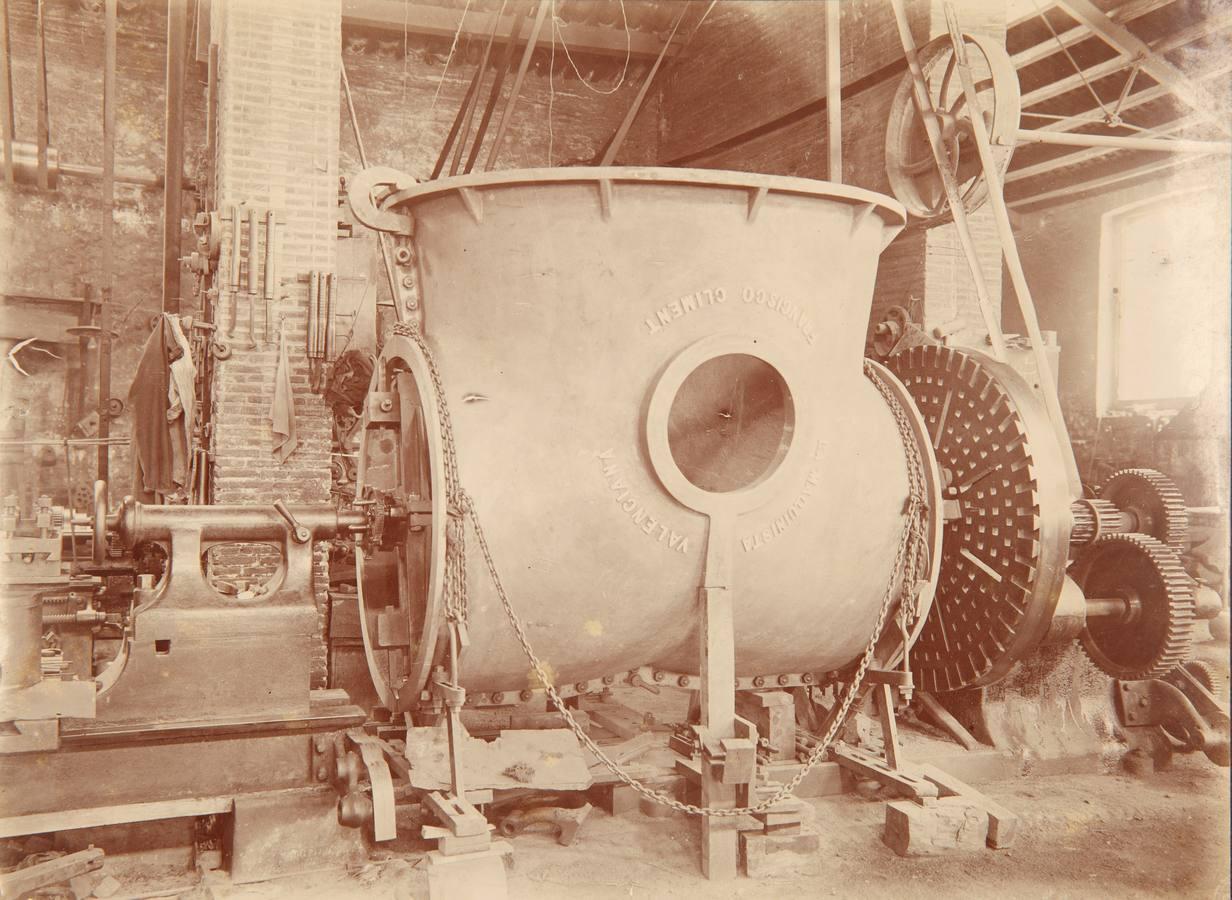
1002, 823
471, 876
768, 855
945, 826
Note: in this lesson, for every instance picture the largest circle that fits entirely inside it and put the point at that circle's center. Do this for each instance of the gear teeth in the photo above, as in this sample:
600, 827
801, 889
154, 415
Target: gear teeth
1175, 597
1207, 674
1170, 512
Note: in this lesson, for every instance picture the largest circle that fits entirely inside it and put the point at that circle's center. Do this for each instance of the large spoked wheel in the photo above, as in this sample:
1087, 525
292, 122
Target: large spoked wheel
910, 166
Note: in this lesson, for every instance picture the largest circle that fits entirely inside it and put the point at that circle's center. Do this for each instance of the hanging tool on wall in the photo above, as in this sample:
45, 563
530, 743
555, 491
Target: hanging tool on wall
322, 295
233, 270
271, 270
251, 262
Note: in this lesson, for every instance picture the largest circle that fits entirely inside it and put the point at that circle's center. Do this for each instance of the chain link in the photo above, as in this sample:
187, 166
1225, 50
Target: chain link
908, 562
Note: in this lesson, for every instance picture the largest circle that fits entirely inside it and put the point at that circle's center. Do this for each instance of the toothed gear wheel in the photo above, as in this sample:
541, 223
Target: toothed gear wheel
1156, 638
1003, 558
1206, 675
1153, 499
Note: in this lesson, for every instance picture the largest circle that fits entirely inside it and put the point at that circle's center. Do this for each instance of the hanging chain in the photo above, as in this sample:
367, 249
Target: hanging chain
908, 560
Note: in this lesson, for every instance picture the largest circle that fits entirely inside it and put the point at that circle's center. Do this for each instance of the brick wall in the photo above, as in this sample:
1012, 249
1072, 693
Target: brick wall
277, 148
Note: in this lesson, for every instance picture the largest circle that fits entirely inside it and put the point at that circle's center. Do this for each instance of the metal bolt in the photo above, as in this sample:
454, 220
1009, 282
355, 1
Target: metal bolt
1142, 702
581, 687
402, 255
408, 281
609, 679
758, 681
783, 679
683, 681
525, 695
498, 697
319, 744
387, 405
321, 773
659, 676
808, 678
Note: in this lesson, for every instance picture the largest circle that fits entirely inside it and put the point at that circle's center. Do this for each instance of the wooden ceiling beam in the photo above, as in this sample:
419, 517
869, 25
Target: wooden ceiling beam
1150, 59
1079, 33
1133, 101
440, 21
1070, 191
1092, 153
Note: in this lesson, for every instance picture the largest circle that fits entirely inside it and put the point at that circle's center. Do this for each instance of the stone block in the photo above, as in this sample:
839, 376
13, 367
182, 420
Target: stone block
770, 855
949, 825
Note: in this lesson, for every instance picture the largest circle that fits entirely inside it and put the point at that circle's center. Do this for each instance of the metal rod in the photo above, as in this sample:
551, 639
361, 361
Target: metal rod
932, 128
481, 72
233, 269
6, 92
382, 239
455, 128
173, 156
107, 236
44, 122
497, 83
271, 235
503, 126
834, 91
1009, 250
618, 139
1118, 142
252, 260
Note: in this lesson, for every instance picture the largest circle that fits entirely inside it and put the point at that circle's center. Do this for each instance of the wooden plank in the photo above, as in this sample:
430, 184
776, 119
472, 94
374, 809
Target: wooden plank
20, 882
441, 21
98, 816
1071, 191
753, 62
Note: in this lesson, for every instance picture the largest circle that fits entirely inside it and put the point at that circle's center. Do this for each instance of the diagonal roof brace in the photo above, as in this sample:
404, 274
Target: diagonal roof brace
1126, 42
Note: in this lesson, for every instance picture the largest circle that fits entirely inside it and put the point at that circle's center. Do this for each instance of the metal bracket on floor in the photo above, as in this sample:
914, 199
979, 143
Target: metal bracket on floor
1187, 711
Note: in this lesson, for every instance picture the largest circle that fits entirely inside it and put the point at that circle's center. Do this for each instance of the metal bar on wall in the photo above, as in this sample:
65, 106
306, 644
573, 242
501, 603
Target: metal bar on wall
503, 125
44, 117
834, 91
6, 91
173, 156
107, 236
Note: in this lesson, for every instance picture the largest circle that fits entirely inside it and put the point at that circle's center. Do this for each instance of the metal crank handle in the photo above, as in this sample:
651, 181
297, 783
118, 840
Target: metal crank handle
299, 533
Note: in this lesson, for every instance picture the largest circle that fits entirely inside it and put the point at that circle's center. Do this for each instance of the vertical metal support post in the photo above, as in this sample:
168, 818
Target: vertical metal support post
720, 839
1009, 249
173, 156
43, 124
6, 92
889, 725
503, 125
928, 115
107, 237
834, 91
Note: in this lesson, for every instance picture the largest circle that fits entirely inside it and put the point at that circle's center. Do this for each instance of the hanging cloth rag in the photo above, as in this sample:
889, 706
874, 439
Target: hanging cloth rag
282, 412
181, 400
153, 441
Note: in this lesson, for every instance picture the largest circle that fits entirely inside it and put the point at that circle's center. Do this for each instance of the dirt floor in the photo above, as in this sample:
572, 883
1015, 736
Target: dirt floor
1160, 835
1094, 834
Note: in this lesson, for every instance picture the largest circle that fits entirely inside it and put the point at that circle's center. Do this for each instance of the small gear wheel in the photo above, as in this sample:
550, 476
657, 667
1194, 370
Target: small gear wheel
1206, 675
1154, 501
1155, 634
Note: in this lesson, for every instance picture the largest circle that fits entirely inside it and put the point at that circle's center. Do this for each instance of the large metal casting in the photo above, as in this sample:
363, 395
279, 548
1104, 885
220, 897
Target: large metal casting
628, 354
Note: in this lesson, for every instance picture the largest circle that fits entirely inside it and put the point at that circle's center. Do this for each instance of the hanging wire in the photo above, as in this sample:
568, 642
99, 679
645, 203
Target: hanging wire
557, 22
552, 81
1065, 50
448, 59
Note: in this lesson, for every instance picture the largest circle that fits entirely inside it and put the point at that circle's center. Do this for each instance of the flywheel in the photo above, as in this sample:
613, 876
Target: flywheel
1155, 633
910, 166
1154, 502
1005, 546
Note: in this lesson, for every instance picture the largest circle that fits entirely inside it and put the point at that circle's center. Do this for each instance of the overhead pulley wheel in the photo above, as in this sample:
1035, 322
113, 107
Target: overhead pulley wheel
1140, 606
1006, 540
1157, 507
910, 165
